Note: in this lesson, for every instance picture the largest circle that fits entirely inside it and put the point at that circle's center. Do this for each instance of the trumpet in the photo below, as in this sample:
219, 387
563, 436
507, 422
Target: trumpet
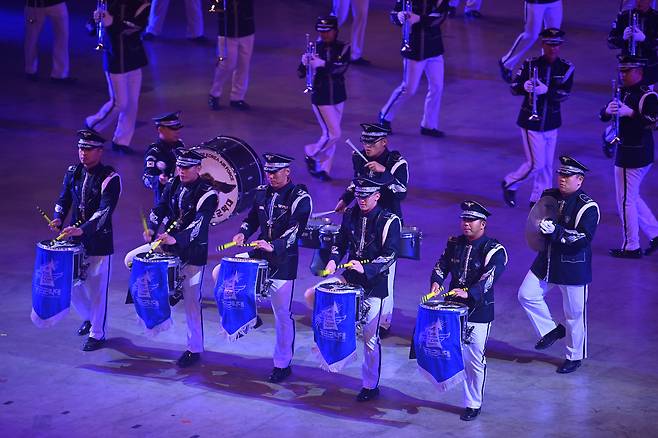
535, 78
611, 135
632, 44
310, 53
406, 27
101, 7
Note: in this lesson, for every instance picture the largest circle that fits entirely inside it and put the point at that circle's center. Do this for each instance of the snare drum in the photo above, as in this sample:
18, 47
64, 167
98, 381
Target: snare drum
410, 238
174, 280
328, 235
76, 250
310, 237
235, 171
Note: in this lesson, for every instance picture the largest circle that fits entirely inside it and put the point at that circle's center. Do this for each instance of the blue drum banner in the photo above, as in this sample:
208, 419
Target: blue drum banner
334, 328
235, 293
149, 288
52, 282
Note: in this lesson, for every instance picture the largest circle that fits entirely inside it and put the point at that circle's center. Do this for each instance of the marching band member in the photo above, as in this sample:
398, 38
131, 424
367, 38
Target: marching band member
425, 54
389, 166
190, 201
370, 233
193, 16
540, 116
328, 96
160, 157
475, 262
566, 263
638, 112
235, 45
90, 192
359, 21
536, 12
280, 211
124, 57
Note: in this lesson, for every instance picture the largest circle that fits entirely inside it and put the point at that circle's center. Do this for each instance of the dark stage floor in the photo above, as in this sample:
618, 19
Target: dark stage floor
48, 387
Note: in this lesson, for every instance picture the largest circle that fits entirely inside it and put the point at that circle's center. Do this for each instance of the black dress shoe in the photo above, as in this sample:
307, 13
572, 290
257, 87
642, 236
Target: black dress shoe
310, 163
323, 176
505, 73
279, 374
432, 132
626, 253
653, 245
360, 62
549, 338
64, 81
569, 366
470, 414
473, 14
92, 344
175, 298
188, 359
259, 322
367, 394
385, 123
384, 332
213, 103
122, 149
84, 328
509, 196
240, 104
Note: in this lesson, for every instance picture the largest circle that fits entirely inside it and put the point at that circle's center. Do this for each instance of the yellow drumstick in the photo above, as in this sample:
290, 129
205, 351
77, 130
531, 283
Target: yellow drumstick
62, 234
44, 215
231, 244
425, 298
157, 243
146, 227
325, 272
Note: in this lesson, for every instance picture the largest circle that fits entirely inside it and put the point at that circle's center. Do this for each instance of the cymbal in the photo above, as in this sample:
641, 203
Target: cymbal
545, 208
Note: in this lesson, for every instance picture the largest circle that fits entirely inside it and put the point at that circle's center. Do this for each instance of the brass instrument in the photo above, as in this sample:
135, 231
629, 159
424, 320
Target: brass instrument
611, 135
310, 53
406, 27
533, 94
632, 44
101, 7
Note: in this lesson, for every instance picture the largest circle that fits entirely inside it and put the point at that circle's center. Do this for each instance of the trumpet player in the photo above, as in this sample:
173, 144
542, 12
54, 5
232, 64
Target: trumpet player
324, 66
540, 117
235, 45
422, 52
121, 23
635, 32
637, 110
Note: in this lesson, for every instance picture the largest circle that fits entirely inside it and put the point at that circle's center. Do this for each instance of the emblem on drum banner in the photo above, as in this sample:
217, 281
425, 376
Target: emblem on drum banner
334, 328
235, 293
149, 288
437, 342
51, 286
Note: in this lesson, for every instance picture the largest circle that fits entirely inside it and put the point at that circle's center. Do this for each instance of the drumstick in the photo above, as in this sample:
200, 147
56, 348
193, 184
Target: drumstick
325, 272
141, 215
44, 215
231, 244
322, 213
349, 142
62, 234
157, 243
425, 298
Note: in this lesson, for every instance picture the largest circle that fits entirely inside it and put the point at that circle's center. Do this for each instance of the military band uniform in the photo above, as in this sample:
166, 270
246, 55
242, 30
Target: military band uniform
160, 157
239, 32
36, 13
645, 37
193, 15
359, 9
425, 56
124, 57
90, 196
475, 266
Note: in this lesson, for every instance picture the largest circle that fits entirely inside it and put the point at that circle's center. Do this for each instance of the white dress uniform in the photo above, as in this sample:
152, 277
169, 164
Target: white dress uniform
359, 9
548, 12
36, 13
193, 14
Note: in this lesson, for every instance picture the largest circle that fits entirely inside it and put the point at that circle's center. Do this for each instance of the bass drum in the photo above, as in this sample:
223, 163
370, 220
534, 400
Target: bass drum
234, 170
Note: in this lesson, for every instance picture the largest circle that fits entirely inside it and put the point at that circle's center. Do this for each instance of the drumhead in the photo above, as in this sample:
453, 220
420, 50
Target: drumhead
318, 222
234, 170
329, 229
244, 260
156, 257
340, 288
60, 245
446, 306
410, 232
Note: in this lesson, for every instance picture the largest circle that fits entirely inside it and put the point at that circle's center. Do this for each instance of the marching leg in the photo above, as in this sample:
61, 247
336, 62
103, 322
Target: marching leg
544, 174
245, 49
531, 296
34, 21
387, 304
281, 297
128, 104
193, 314
60, 19
434, 72
574, 302
359, 22
194, 19
224, 69
98, 282
157, 16
109, 112
413, 71
534, 14
372, 351
475, 367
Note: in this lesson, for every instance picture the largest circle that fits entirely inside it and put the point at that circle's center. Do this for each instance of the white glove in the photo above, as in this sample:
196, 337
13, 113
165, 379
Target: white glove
317, 62
105, 16
527, 86
625, 111
638, 35
612, 107
304, 60
541, 88
627, 33
546, 226
402, 17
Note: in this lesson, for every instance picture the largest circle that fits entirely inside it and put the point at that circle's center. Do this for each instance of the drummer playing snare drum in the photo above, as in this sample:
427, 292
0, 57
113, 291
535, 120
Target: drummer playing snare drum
474, 262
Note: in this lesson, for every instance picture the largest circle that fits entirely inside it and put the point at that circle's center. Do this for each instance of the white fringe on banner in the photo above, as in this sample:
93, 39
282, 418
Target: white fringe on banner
446, 384
239, 333
46, 323
336, 366
163, 326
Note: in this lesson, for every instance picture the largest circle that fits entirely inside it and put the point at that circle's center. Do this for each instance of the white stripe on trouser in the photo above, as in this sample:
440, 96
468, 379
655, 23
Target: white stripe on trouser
281, 299
359, 21
236, 65
635, 214
433, 68
35, 18
549, 13
90, 297
539, 149
372, 348
193, 16
574, 300
387, 305
471, 5
329, 118
192, 302
475, 364
124, 89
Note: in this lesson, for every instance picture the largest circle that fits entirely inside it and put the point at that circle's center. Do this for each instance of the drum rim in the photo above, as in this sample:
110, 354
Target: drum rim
455, 307
251, 260
160, 258
348, 288
65, 246
331, 227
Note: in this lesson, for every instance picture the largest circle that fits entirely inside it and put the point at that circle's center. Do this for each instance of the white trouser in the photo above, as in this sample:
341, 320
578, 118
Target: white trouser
281, 292
574, 302
359, 22
433, 68
471, 5
193, 15
387, 304
475, 364
90, 297
192, 284
534, 14
235, 65
124, 89
539, 149
329, 118
635, 214
35, 18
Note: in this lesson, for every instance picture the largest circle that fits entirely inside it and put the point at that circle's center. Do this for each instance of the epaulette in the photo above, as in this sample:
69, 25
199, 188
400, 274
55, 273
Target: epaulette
301, 189
396, 155
72, 168
262, 187
585, 198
